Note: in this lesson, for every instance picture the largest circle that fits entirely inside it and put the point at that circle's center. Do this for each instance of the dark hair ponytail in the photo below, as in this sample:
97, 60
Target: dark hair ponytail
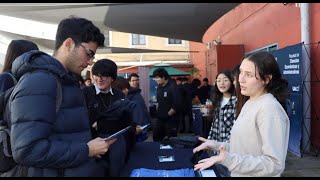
279, 90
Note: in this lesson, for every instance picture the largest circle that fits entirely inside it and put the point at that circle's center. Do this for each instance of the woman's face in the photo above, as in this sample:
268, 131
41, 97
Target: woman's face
250, 80
223, 83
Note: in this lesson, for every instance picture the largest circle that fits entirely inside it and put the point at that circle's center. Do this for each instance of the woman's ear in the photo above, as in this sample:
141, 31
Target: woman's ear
268, 79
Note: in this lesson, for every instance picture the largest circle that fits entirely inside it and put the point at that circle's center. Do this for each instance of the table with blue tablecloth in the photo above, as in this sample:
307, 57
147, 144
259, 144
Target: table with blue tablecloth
145, 155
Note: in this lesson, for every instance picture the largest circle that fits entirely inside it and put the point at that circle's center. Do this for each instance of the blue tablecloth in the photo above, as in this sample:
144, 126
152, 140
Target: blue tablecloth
143, 172
145, 155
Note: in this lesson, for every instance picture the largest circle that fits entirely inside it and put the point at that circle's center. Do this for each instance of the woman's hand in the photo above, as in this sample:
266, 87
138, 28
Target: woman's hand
206, 144
208, 162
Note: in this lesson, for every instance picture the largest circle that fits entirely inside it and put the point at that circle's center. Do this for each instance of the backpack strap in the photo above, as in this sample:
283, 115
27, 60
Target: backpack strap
59, 92
58, 104
5, 135
59, 95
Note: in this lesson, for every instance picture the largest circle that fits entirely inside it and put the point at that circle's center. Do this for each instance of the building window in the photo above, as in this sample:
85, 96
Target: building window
272, 48
174, 41
268, 48
138, 39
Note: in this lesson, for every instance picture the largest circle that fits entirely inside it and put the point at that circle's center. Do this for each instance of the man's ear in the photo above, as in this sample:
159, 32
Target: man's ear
69, 43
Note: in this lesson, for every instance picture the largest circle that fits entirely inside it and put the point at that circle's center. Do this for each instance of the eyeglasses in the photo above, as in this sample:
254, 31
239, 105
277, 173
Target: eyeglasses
222, 80
103, 78
89, 52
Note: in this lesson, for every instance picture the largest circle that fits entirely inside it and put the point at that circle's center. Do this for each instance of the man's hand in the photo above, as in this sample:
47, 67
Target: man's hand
138, 129
99, 146
171, 112
94, 125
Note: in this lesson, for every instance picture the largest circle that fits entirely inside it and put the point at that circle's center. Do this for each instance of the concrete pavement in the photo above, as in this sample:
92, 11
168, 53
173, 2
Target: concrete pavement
306, 166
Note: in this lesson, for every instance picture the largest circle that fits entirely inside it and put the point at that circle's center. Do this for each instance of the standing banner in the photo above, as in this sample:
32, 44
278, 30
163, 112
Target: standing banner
289, 60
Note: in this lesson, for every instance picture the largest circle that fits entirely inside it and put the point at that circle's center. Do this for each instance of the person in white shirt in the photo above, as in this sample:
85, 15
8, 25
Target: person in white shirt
259, 137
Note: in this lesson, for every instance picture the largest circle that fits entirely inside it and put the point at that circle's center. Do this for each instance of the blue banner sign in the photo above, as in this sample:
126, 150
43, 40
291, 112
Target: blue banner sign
289, 60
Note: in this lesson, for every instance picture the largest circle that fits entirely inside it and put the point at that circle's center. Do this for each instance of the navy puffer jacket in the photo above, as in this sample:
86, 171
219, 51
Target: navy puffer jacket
45, 141
143, 115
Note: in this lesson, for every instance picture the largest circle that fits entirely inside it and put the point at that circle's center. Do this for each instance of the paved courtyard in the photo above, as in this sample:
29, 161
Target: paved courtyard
307, 166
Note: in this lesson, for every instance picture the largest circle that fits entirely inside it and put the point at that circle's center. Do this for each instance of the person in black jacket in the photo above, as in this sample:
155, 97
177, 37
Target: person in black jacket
105, 119
168, 100
187, 107
182, 125
134, 94
134, 81
134, 115
205, 91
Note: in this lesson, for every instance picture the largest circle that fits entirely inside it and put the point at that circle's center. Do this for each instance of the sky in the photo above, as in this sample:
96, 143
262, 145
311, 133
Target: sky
24, 27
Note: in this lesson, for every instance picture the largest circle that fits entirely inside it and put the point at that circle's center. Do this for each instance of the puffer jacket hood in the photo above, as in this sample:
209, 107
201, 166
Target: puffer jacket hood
26, 63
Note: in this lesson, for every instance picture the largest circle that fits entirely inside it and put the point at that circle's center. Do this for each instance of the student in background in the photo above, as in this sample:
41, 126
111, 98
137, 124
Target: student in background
205, 91
195, 86
134, 115
15, 49
259, 137
88, 82
224, 112
168, 99
101, 98
134, 81
224, 107
182, 124
134, 94
187, 107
